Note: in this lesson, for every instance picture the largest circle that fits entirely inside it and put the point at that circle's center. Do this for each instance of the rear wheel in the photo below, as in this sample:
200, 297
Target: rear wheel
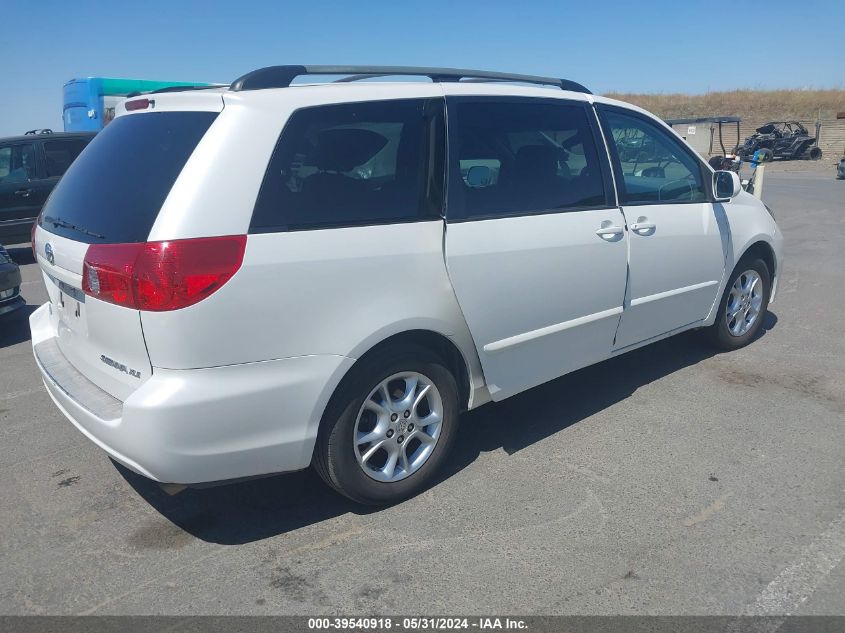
389, 427
743, 305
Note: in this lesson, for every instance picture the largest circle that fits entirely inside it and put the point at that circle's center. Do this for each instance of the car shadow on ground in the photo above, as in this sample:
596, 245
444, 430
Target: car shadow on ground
14, 326
260, 508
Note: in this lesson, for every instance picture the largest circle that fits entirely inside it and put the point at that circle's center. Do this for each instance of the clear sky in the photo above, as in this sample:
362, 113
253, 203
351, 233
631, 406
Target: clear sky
633, 46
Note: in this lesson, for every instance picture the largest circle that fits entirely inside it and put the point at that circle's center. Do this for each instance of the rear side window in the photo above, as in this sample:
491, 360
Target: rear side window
655, 167
113, 192
59, 154
516, 157
17, 163
354, 164
5, 161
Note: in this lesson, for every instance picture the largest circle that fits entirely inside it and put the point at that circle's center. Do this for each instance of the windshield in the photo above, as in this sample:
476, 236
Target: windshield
113, 192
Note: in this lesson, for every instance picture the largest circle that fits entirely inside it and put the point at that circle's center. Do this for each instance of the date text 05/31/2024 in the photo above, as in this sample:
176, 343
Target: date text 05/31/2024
416, 623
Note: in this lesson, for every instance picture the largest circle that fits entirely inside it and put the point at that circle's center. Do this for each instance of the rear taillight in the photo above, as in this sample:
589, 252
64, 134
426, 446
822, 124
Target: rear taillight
161, 276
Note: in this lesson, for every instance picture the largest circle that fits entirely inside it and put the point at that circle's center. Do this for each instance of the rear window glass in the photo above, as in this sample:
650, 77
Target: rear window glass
113, 192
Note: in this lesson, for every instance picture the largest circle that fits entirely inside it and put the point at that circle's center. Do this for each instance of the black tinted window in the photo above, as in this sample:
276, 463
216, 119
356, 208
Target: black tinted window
655, 166
59, 154
353, 164
515, 157
17, 163
114, 191
5, 161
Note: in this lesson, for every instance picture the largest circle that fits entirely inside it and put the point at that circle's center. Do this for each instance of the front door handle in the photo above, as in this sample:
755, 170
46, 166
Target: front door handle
23, 193
643, 228
610, 233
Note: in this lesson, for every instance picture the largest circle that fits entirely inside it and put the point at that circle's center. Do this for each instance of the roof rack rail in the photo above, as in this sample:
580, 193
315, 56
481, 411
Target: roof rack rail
36, 131
283, 76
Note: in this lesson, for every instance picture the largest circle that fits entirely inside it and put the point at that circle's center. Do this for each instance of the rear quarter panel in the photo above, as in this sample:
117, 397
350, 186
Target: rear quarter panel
332, 291
335, 291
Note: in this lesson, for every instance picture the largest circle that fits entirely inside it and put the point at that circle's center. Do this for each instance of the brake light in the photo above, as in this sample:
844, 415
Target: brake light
139, 104
161, 276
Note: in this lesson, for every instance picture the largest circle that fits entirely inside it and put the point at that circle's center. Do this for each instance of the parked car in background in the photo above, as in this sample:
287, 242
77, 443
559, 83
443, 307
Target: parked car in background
30, 166
10, 283
281, 275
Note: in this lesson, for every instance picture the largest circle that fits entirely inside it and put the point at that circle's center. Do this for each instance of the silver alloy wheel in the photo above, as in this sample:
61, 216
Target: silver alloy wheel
744, 302
398, 426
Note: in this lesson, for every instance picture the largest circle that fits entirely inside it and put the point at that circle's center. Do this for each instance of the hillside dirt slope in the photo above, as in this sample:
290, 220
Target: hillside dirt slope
772, 105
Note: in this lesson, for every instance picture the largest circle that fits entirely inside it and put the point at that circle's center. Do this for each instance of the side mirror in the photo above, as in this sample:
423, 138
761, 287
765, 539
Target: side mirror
479, 176
726, 185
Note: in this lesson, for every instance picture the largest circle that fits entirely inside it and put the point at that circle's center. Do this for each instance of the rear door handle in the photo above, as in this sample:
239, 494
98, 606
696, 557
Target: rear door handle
643, 227
609, 233
23, 193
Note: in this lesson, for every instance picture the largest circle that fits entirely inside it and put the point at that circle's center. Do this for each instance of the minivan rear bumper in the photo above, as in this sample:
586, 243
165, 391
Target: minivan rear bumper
198, 425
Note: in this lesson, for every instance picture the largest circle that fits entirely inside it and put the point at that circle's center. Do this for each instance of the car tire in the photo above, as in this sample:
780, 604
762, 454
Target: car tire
734, 327
359, 469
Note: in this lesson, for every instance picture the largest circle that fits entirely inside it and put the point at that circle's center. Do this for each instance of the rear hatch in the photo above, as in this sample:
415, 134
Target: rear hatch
111, 195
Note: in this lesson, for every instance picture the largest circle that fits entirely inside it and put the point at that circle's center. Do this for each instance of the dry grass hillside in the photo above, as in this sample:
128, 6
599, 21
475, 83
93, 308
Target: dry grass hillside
748, 104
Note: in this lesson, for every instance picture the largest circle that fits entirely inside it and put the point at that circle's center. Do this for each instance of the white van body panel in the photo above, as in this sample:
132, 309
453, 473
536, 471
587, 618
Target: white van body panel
216, 191
674, 269
748, 223
197, 426
91, 333
323, 292
535, 311
236, 385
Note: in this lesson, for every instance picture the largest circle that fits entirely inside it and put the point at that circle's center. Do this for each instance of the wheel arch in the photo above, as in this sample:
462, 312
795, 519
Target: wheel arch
438, 343
759, 246
764, 251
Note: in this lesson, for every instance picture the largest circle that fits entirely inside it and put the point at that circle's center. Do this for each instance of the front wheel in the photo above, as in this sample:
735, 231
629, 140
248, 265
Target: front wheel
743, 305
389, 427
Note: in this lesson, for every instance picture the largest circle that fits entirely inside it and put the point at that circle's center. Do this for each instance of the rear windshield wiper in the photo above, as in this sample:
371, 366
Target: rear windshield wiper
68, 225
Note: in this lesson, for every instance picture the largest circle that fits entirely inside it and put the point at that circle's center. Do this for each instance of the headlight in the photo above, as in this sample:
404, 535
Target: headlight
768, 208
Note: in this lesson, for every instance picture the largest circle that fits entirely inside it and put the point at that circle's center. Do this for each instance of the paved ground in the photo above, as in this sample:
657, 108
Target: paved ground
669, 481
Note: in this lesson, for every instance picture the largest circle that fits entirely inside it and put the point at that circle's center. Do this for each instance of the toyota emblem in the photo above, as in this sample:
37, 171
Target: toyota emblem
48, 253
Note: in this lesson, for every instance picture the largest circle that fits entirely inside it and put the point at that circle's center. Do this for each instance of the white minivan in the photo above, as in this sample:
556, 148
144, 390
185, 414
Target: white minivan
252, 280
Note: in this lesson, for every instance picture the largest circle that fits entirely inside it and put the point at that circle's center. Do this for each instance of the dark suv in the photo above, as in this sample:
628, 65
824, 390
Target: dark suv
30, 166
